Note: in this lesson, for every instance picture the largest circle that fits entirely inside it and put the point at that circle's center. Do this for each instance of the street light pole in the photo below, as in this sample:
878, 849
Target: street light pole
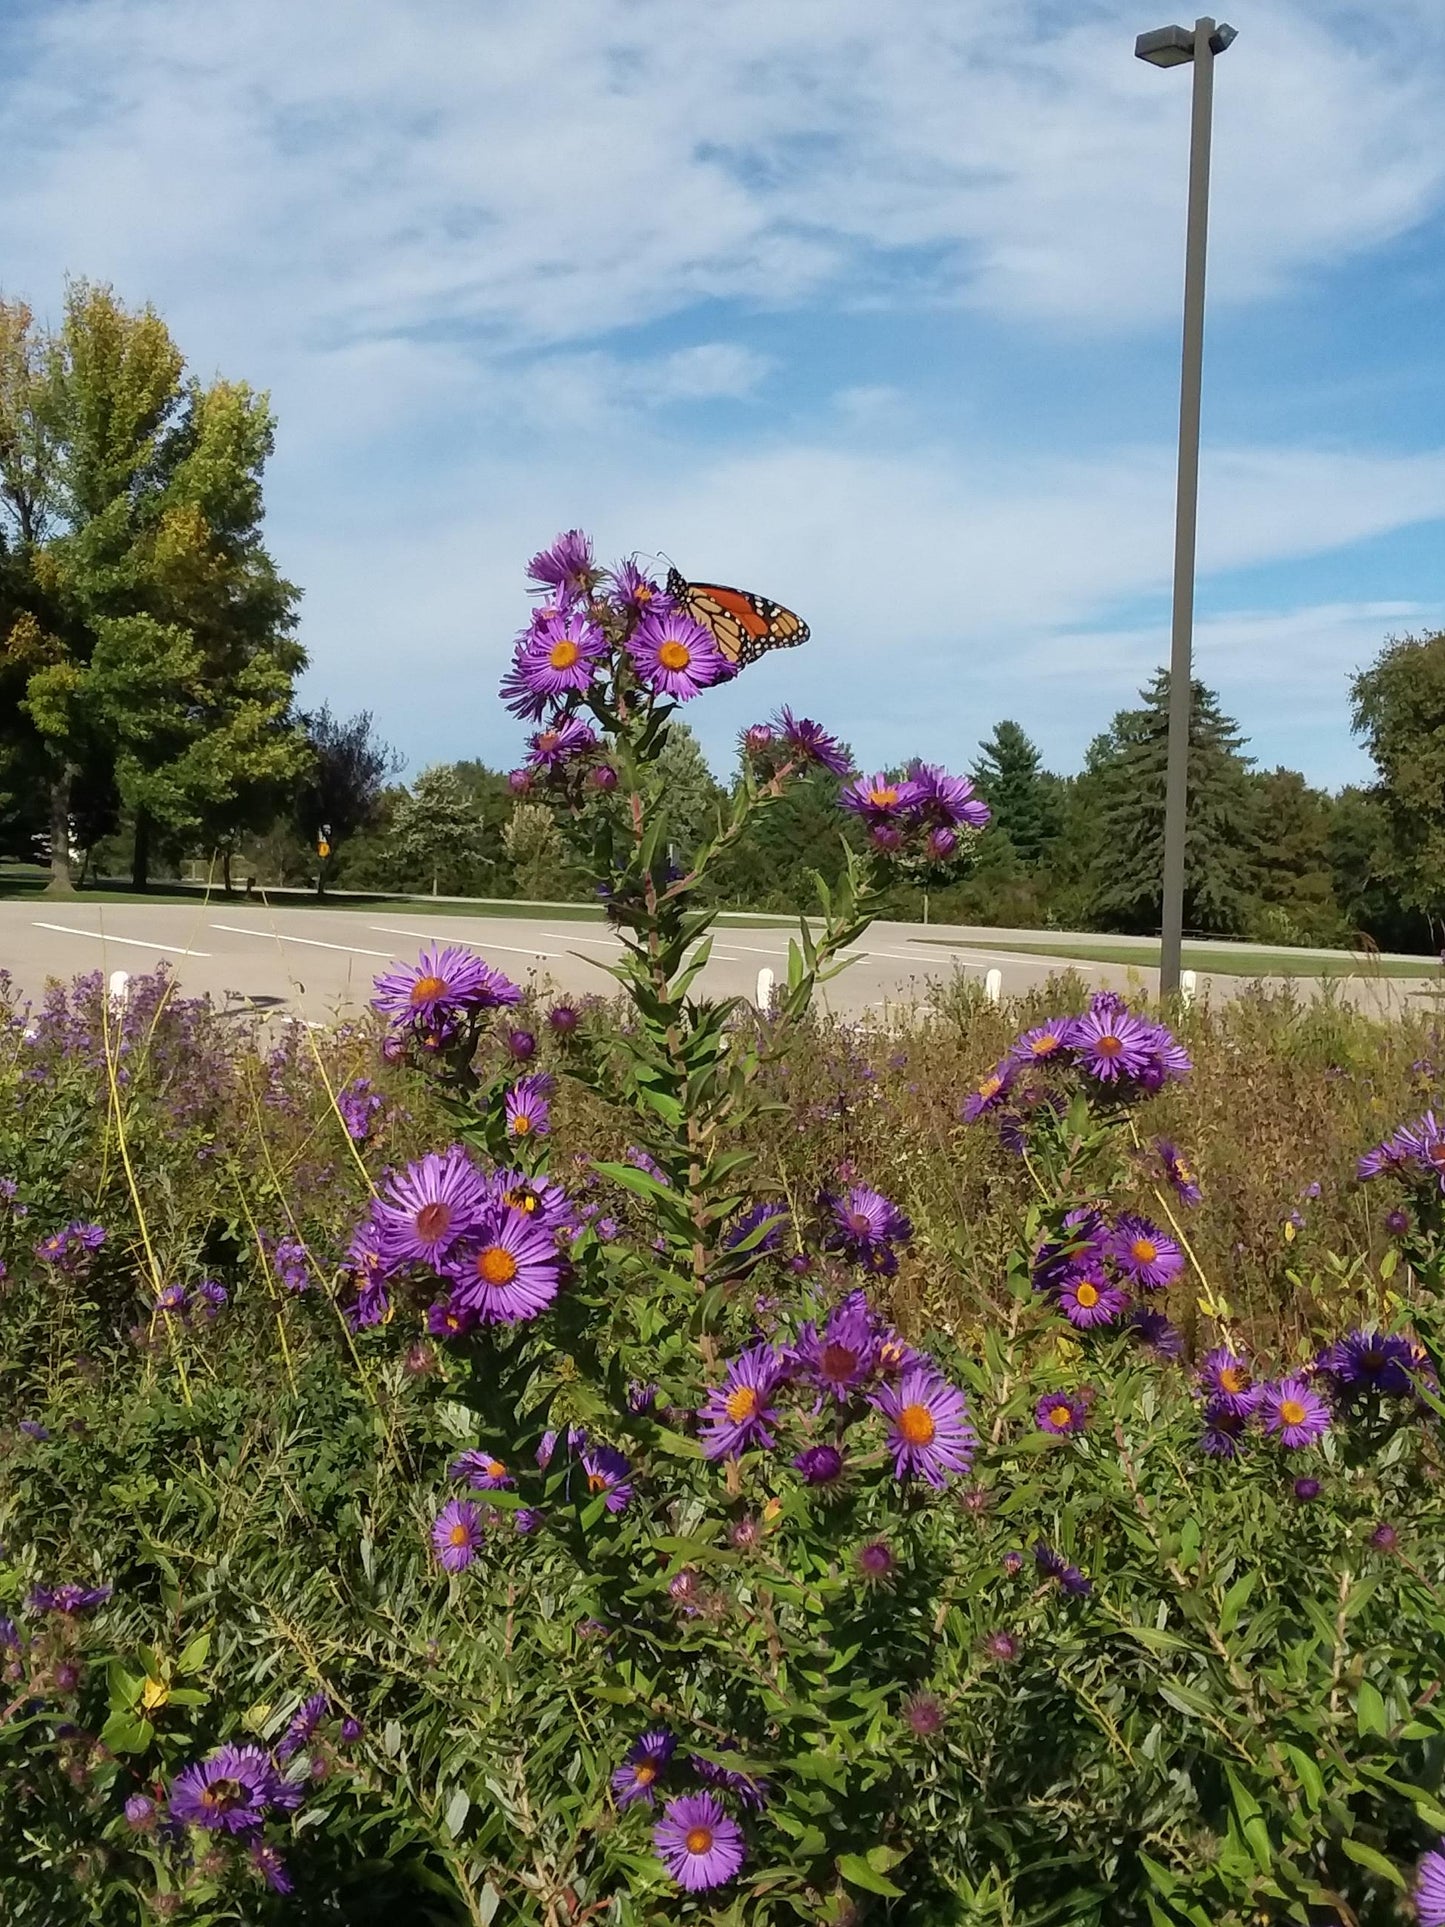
1172, 46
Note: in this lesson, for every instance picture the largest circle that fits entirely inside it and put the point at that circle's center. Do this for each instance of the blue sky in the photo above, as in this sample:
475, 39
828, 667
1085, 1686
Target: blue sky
872, 309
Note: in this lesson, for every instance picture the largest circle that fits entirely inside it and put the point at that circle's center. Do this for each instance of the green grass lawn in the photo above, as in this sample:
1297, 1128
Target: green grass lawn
1225, 960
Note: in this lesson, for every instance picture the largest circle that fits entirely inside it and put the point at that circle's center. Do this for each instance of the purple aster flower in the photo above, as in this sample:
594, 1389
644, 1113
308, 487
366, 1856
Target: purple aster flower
635, 592
821, 1465
303, 1726
881, 800
370, 1307
1079, 1250
1384, 1538
990, 1093
675, 656
267, 1862
446, 1320
520, 1045
760, 1228
896, 1356
948, 801
929, 1434
350, 1731
441, 981
1077, 1584
33, 1429
1397, 1222
876, 1562
567, 567
1294, 1412
537, 1198
1166, 1059
1306, 1489
641, 1398
230, 1791
1157, 1334
808, 742
646, 1761
1145, 1254
509, 1271
559, 743
526, 1520
456, 1534
1045, 1043
750, 1789
563, 1020
862, 1219
1062, 1413
1049, 1564
358, 1104
560, 655
426, 1212
527, 1109
609, 1476
739, 1412
68, 1599
1087, 1299
1393, 1155
1225, 1426
1429, 1890
140, 1813
1179, 1173
844, 1355
1228, 1381
1002, 1646
172, 1298
1381, 1363
1111, 1044
700, 1845
481, 1471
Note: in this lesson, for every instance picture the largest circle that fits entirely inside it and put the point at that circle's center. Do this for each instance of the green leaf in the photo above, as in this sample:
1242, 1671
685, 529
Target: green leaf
195, 1654
1370, 1715
1364, 1856
857, 1872
458, 1807
123, 1733
1310, 1778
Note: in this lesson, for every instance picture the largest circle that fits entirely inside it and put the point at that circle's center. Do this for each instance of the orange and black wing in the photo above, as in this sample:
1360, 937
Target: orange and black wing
743, 625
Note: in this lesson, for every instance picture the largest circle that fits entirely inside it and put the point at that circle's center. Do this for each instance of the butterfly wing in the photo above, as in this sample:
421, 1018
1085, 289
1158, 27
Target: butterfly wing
743, 625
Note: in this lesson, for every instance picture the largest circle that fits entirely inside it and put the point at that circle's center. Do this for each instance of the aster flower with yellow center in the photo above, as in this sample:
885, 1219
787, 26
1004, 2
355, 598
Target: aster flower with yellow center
739, 1413
929, 1433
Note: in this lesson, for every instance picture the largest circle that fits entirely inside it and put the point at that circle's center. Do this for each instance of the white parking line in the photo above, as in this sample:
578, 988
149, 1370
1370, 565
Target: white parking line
351, 949
430, 936
607, 943
136, 943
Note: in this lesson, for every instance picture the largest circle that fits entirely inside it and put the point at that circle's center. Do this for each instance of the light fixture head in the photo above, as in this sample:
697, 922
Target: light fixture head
1223, 36
1166, 46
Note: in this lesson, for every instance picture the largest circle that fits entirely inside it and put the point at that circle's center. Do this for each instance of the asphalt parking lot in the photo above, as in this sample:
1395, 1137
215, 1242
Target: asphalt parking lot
318, 963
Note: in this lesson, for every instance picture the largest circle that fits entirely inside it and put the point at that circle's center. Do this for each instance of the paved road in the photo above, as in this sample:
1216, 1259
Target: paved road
319, 963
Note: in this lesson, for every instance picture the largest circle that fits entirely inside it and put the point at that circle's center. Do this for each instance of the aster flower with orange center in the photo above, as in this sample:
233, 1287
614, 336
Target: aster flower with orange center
698, 1842
456, 1534
882, 800
1062, 1413
444, 979
528, 1113
1145, 1254
739, 1413
1294, 1412
675, 656
508, 1271
646, 1762
1087, 1299
482, 1471
560, 655
929, 1433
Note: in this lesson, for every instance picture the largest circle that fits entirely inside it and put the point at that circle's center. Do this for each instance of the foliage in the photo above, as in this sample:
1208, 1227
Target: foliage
442, 1562
1023, 797
1399, 708
342, 788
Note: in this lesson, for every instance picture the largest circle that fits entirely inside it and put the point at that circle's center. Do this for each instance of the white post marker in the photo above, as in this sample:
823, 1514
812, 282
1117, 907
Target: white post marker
993, 986
765, 990
119, 988
1188, 986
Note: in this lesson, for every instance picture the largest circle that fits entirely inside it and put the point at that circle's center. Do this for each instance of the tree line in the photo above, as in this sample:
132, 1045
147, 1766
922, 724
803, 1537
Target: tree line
149, 718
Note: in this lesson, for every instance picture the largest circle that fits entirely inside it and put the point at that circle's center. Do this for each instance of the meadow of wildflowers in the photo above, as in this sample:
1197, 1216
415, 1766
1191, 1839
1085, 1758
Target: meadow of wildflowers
644, 1460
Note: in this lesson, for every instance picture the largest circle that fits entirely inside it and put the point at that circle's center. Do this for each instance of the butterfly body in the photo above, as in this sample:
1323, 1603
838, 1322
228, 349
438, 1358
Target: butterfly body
743, 625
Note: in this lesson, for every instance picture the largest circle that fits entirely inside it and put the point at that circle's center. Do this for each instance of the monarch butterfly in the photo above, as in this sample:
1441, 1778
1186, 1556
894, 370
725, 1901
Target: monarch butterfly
743, 625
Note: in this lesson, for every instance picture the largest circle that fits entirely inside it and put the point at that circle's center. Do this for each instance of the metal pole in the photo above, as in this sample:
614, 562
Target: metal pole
1186, 509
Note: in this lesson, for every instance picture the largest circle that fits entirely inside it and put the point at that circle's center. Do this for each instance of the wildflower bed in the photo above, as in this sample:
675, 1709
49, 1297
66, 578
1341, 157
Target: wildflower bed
650, 1461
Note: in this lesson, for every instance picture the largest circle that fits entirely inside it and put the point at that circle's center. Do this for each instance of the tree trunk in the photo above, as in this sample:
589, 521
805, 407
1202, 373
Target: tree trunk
226, 872
60, 884
321, 876
140, 857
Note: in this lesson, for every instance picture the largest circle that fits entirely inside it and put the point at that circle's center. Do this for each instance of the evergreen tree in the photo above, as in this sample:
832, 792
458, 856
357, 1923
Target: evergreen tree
1124, 785
1020, 793
1399, 708
1295, 882
694, 795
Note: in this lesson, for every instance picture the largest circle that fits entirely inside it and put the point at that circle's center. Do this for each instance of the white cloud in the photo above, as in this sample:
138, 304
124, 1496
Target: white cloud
275, 173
